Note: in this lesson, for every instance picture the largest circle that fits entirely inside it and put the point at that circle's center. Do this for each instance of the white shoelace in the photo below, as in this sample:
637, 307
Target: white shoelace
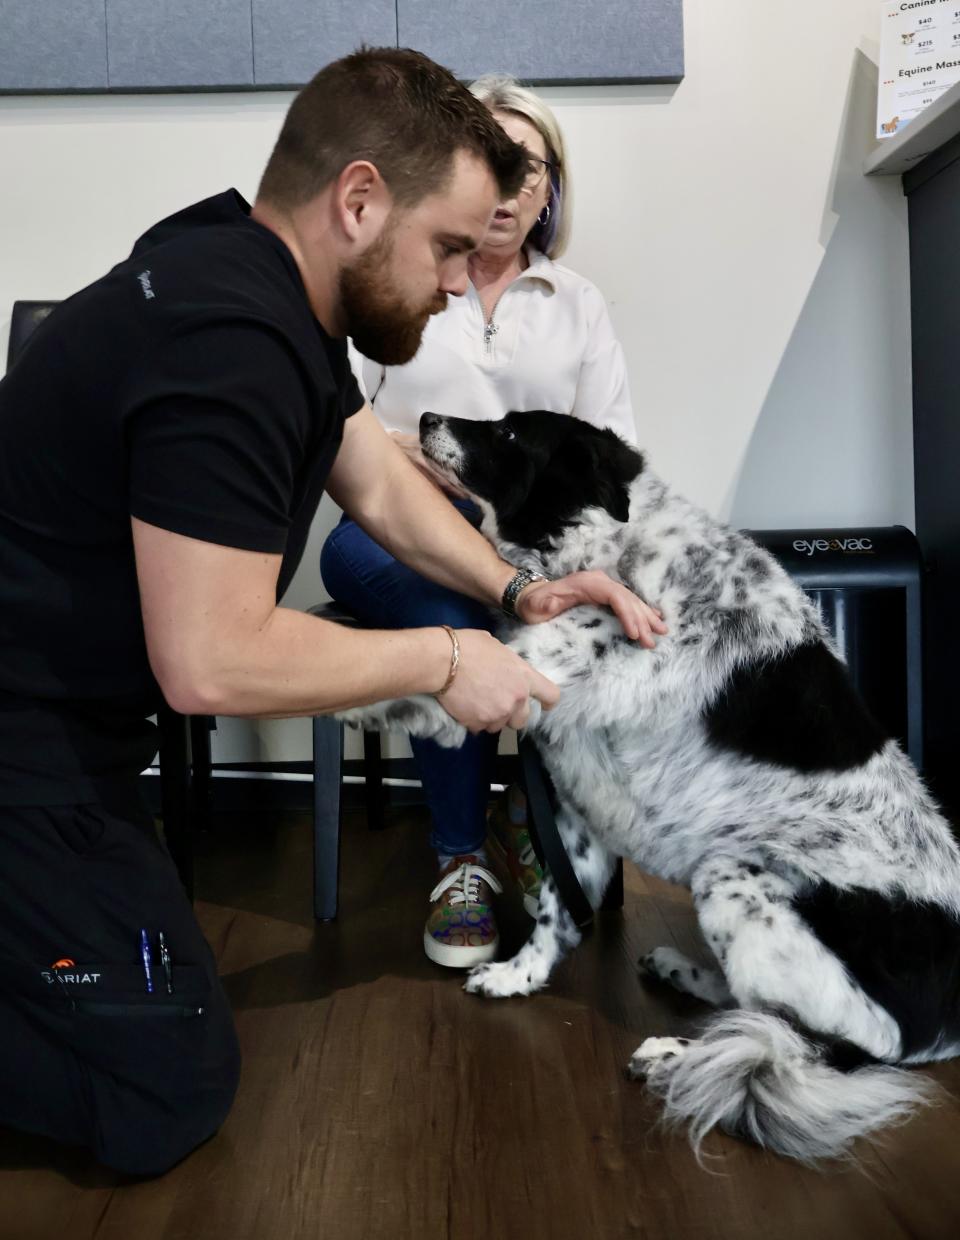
465, 880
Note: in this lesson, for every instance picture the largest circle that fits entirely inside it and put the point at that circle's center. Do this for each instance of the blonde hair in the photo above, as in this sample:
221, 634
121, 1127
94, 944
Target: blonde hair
502, 93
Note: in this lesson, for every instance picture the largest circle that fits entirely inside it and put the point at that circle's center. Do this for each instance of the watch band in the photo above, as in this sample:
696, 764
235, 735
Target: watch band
522, 578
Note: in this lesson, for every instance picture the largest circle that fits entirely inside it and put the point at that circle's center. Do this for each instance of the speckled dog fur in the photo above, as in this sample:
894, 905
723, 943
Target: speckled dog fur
657, 756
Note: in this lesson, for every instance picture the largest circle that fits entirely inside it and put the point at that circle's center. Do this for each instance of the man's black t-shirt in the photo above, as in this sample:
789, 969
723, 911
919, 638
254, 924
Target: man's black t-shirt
191, 387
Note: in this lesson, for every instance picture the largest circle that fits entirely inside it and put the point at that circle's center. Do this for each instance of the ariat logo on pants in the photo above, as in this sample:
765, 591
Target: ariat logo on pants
57, 973
76, 979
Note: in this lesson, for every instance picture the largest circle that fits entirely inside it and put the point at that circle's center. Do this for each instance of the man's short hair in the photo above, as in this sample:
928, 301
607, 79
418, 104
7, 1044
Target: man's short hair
396, 108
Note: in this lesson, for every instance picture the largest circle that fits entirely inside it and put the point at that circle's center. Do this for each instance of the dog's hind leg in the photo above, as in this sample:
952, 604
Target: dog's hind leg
668, 965
555, 932
772, 959
807, 1092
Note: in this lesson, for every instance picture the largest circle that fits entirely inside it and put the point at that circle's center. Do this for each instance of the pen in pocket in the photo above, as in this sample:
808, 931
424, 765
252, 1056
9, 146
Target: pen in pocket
147, 960
166, 961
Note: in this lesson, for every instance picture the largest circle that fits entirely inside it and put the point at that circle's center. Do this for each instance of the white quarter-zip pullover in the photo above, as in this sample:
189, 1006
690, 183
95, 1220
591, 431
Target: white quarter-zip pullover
549, 345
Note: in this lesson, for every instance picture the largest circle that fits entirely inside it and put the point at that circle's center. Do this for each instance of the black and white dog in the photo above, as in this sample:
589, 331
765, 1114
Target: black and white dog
735, 758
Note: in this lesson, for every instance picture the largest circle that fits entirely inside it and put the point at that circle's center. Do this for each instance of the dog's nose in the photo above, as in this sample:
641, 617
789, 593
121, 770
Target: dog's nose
429, 420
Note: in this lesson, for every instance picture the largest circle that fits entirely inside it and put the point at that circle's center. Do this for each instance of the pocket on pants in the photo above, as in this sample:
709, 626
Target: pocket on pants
106, 1014
158, 1071
118, 985
120, 991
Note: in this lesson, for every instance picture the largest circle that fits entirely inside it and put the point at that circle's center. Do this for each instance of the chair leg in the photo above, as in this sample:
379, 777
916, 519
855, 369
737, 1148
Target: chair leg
374, 795
613, 896
175, 792
327, 769
200, 764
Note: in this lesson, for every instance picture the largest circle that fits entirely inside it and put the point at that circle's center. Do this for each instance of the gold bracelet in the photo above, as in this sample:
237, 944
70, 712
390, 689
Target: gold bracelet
454, 659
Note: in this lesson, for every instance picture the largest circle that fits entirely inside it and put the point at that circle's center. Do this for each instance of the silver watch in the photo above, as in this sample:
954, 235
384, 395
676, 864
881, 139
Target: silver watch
522, 578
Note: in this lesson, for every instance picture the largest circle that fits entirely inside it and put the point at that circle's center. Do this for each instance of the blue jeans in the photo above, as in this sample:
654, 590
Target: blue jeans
385, 594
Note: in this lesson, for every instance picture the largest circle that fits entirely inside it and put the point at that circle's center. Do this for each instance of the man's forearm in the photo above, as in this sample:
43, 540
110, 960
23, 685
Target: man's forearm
297, 664
219, 645
419, 526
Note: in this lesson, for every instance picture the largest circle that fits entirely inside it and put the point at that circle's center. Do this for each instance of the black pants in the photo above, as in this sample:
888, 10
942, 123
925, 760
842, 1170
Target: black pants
87, 1055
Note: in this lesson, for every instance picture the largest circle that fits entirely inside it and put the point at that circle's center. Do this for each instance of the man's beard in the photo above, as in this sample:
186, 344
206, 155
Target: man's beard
383, 325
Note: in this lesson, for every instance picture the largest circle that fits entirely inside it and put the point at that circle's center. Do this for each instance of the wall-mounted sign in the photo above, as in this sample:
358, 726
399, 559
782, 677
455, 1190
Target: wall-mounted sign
919, 58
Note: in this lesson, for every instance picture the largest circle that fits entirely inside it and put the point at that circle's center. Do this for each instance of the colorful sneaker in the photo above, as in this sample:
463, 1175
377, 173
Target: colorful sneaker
461, 930
510, 843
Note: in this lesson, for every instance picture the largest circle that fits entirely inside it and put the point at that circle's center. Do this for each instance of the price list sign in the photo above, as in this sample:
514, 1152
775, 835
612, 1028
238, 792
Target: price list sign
919, 59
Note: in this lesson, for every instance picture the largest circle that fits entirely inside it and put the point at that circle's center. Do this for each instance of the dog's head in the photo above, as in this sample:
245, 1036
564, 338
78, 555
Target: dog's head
537, 471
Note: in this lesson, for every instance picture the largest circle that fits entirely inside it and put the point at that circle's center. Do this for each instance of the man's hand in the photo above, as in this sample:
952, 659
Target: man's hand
493, 686
545, 599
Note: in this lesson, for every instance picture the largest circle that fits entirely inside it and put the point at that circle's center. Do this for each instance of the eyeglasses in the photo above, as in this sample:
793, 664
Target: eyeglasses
536, 170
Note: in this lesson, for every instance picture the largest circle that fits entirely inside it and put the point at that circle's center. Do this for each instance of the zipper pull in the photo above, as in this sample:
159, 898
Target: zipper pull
489, 331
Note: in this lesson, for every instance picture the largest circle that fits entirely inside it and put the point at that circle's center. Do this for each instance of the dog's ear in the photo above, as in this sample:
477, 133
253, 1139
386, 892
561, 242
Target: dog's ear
611, 465
568, 466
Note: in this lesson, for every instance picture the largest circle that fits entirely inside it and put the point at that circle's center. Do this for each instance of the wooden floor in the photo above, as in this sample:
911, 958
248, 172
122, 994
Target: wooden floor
378, 1100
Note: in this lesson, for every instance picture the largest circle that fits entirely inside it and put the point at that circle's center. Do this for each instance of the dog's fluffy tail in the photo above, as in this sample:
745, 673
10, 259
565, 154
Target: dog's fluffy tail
753, 1075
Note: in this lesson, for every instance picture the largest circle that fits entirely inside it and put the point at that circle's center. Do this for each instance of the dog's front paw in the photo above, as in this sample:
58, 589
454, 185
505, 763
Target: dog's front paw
435, 724
500, 980
417, 716
533, 719
654, 1054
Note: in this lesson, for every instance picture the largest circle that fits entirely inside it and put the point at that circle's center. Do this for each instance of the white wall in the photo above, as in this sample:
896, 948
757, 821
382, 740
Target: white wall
758, 281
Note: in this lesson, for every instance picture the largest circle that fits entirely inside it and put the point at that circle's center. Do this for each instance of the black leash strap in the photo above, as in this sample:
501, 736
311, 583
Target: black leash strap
541, 807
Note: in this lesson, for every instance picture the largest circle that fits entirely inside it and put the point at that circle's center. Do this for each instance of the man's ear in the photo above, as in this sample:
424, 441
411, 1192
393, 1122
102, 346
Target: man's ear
361, 202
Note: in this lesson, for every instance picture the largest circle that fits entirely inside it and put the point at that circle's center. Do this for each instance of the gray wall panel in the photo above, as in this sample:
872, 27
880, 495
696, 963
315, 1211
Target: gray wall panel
292, 39
549, 40
52, 45
179, 43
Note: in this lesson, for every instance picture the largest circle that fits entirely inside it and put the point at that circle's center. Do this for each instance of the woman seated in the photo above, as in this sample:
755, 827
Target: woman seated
528, 334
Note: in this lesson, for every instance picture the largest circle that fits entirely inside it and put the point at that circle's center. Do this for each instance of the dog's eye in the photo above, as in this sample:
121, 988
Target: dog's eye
507, 434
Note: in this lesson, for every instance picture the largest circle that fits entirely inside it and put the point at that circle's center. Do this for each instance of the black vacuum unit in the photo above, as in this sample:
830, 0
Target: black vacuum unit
867, 583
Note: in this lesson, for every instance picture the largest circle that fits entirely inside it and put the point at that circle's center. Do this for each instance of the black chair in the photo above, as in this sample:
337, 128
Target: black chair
184, 785
328, 787
327, 767
24, 321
